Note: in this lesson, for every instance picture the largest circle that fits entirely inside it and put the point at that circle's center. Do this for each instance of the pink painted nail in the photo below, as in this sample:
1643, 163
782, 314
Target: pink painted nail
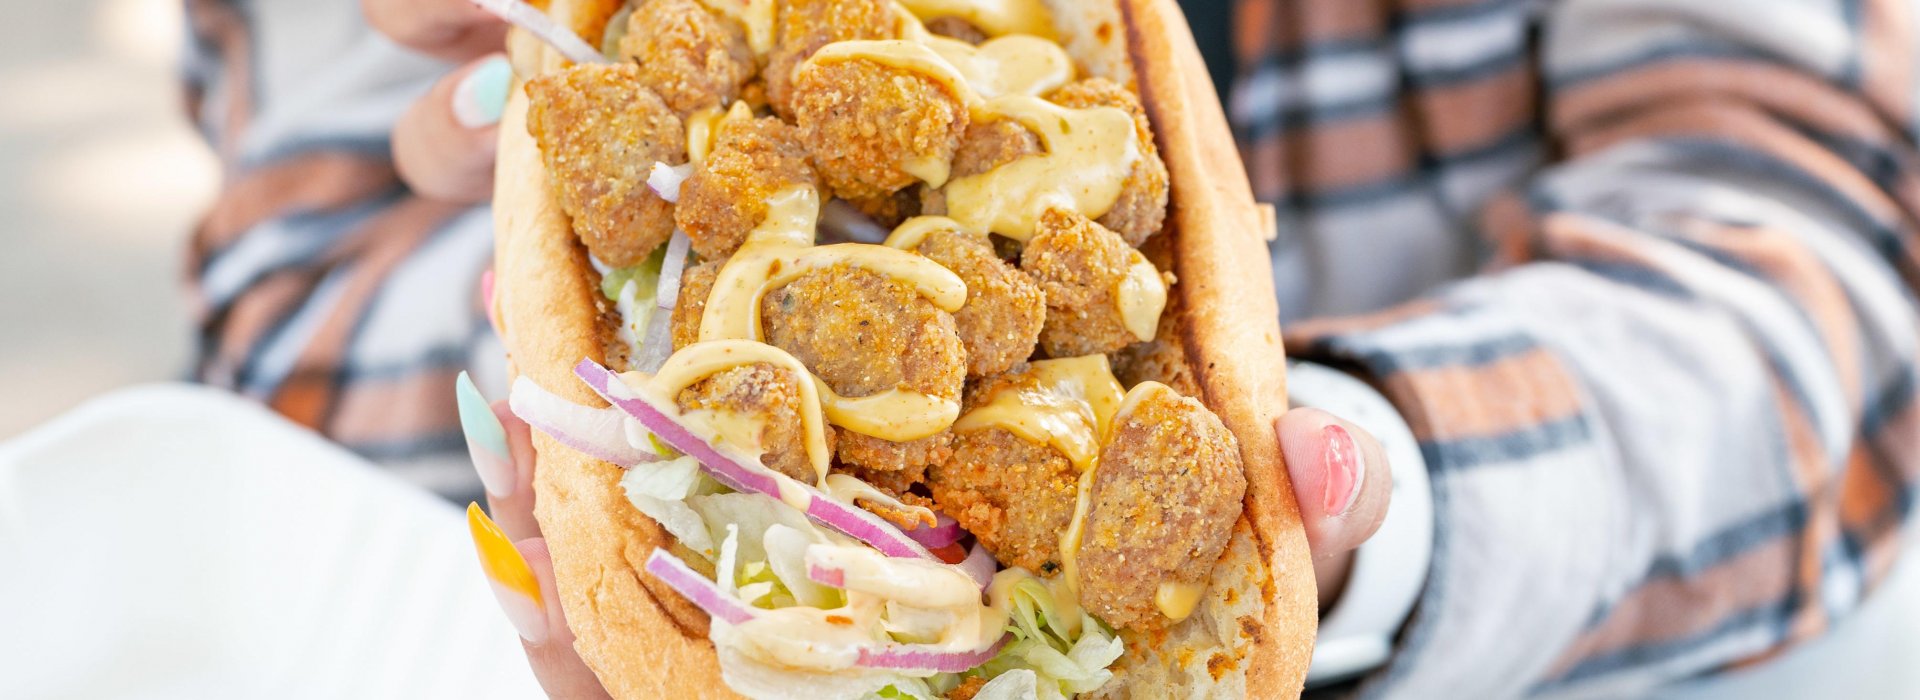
1344, 470
486, 297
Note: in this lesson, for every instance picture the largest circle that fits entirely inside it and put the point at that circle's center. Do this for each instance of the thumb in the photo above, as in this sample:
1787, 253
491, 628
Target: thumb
1342, 482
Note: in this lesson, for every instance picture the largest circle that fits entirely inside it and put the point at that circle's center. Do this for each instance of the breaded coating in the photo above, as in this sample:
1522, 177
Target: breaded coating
1015, 496
985, 146
726, 198
695, 284
600, 132
806, 25
867, 125
1142, 206
688, 54
1079, 265
1163, 359
1164, 499
968, 688
989, 145
864, 333
769, 394
1005, 308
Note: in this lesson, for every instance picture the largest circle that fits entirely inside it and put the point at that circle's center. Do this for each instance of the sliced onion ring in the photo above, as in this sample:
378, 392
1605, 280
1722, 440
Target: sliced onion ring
943, 532
705, 594
537, 23
599, 433
745, 474
980, 566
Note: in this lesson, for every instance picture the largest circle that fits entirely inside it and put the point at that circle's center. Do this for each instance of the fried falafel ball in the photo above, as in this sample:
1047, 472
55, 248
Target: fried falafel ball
726, 197
695, 284
1164, 499
770, 395
1015, 496
688, 54
600, 132
806, 25
1142, 206
864, 333
1005, 308
1079, 265
985, 145
868, 125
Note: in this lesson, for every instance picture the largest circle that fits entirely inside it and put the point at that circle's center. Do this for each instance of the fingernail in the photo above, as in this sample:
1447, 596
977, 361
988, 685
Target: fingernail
1344, 470
513, 583
486, 438
486, 297
481, 96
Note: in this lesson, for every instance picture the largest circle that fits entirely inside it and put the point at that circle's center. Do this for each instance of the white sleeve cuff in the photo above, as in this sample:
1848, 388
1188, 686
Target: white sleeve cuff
1391, 568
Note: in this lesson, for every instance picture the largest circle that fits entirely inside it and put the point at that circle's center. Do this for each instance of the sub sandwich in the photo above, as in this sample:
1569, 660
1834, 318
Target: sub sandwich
896, 348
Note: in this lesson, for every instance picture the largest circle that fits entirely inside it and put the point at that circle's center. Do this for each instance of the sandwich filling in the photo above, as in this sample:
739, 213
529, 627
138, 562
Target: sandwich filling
904, 465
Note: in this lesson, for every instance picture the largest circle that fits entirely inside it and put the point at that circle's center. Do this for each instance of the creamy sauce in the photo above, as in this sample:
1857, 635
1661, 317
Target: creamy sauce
1088, 154
899, 415
843, 487
912, 232
1066, 404
915, 582
755, 16
1011, 65
780, 250
994, 17
703, 128
1177, 600
1141, 296
705, 359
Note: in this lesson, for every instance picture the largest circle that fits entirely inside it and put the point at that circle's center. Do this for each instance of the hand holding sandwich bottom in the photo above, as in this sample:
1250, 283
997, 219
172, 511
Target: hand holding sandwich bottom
1340, 476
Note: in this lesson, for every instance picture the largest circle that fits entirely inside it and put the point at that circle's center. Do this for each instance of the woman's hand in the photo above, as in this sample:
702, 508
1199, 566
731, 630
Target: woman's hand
512, 552
1342, 482
444, 145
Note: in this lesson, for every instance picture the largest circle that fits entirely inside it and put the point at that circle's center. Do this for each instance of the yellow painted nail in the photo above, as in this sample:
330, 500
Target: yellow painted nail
499, 558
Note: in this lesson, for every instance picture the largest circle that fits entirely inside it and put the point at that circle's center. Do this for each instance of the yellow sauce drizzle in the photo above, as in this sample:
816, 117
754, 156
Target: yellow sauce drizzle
780, 250
1067, 404
912, 232
703, 128
1176, 600
1088, 155
756, 16
1010, 65
701, 360
994, 17
1142, 295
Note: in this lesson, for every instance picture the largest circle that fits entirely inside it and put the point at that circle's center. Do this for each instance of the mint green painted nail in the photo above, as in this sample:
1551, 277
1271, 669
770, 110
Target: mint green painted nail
481, 96
476, 417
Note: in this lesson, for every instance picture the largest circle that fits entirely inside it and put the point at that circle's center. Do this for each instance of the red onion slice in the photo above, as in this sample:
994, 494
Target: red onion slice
537, 23
705, 594
599, 433
943, 532
980, 566
741, 473
827, 576
929, 659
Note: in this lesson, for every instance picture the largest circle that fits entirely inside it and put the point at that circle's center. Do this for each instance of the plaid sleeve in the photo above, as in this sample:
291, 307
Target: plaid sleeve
1675, 430
321, 286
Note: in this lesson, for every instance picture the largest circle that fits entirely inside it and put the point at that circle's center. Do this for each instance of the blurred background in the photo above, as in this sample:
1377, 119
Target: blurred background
101, 178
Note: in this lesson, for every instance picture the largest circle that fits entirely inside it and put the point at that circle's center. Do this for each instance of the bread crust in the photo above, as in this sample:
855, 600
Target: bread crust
643, 641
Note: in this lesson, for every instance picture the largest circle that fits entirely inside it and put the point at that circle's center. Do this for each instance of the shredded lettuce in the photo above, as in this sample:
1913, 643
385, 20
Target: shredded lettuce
659, 490
645, 276
1067, 655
